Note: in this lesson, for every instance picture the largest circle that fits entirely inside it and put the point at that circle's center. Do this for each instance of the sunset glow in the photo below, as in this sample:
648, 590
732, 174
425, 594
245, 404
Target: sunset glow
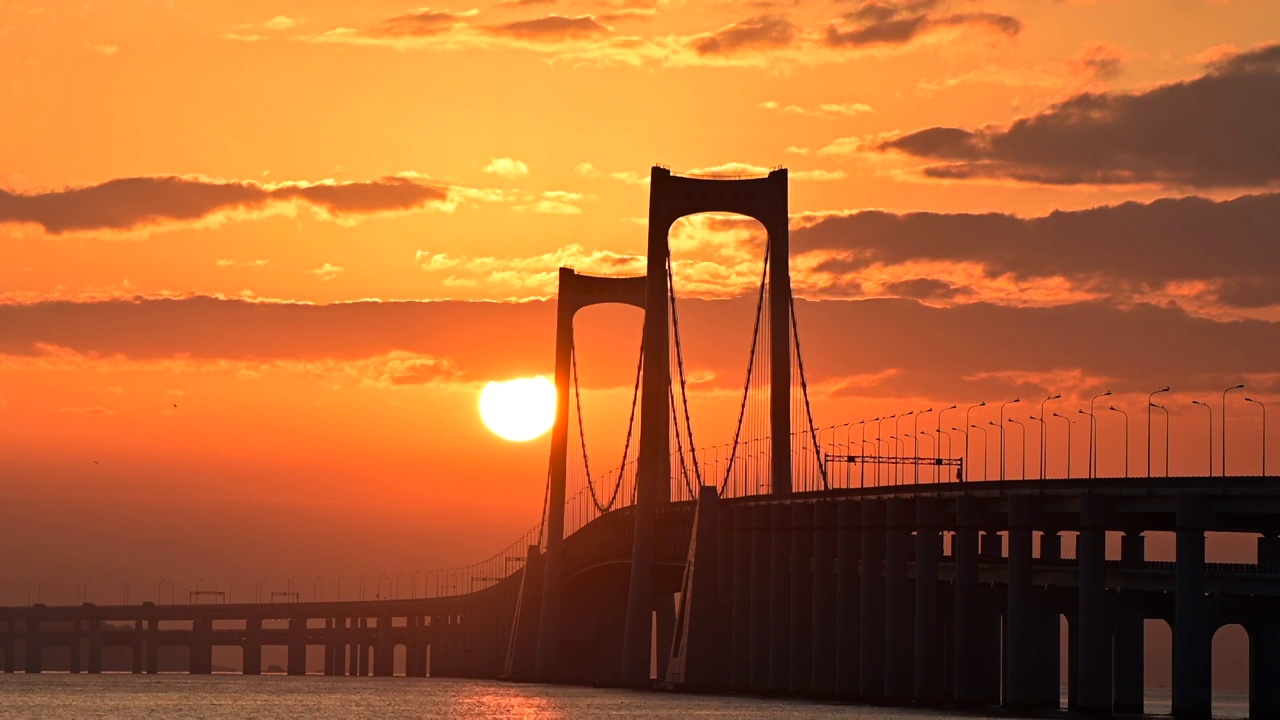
519, 410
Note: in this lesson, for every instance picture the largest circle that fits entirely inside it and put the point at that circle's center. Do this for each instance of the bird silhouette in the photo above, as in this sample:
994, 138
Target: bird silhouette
95, 462
175, 404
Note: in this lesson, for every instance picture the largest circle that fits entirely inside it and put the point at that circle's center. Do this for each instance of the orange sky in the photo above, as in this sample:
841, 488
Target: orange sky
203, 203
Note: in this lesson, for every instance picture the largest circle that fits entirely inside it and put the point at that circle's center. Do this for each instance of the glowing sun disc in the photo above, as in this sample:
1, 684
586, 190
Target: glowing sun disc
519, 410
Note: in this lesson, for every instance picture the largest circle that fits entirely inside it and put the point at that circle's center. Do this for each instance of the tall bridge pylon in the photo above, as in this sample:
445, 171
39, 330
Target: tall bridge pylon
672, 197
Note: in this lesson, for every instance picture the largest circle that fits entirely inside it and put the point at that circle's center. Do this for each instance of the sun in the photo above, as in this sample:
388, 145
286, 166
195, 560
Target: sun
519, 410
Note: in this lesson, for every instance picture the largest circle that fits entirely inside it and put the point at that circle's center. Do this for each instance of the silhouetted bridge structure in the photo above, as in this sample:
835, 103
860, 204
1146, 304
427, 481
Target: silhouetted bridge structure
946, 594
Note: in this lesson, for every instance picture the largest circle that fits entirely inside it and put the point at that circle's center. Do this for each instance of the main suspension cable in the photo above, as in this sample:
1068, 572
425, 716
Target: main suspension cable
751, 359
804, 388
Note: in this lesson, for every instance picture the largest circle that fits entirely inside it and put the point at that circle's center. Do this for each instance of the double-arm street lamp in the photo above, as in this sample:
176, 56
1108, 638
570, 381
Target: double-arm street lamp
1044, 435
1264, 432
1064, 417
1001, 426
1224, 426
1093, 435
1158, 406
1126, 438
1023, 476
1150, 404
915, 430
1206, 407
968, 424
985, 449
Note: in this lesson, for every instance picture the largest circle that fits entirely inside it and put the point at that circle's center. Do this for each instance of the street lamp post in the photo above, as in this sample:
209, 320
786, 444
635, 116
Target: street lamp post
1064, 417
933, 442
1264, 432
1206, 407
1044, 434
1166, 434
1001, 426
964, 432
1024, 447
879, 436
967, 423
915, 430
1093, 435
985, 446
1092, 419
898, 431
1150, 404
1126, 438
938, 429
1224, 426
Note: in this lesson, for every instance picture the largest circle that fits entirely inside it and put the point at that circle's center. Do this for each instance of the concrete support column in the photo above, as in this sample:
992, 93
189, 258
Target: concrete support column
872, 631
139, 647
740, 635
964, 550
1022, 645
35, 648
153, 646
899, 614
201, 647
11, 647
1192, 634
252, 646
1048, 662
384, 652
726, 542
801, 631
1264, 664
1093, 628
73, 647
330, 646
95, 647
297, 646
760, 595
928, 651
1129, 642
848, 597
823, 630
780, 598
355, 649
990, 552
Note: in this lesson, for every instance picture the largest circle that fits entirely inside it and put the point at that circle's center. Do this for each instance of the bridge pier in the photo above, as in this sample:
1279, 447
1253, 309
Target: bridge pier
927, 682
201, 647
823, 628
1048, 633
34, 648
872, 627
297, 646
899, 612
73, 649
991, 552
1192, 636
251, 664
848, 598
11, 648
153, 646
780, 598
139, 647
741, 634
760, 595
1094, 627
384, 651
726, 541
1130, 669
801, 632
95, 647
1021, 643
964, 551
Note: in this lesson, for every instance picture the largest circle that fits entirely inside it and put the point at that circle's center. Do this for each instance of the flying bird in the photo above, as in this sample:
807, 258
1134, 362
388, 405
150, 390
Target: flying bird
175, 404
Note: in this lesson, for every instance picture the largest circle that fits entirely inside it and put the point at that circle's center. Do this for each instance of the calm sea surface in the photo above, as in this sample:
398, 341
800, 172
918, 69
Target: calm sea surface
235, 696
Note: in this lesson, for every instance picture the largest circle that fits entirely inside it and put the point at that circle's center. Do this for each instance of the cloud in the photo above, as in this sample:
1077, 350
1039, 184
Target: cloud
586, 169
552, 28
251, 264
95, 410
762, 32
281, 22
105, 49
144, 202
1213, 253
1215, 130
506, 167
1085, 70
890, 22
554, 202
822, 109
327, 271
1134, 346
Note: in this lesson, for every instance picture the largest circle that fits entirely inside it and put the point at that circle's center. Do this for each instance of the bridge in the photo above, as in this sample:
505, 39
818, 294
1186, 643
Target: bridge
770, 573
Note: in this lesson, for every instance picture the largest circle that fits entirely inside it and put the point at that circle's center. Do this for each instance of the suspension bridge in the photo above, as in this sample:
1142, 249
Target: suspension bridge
772, 568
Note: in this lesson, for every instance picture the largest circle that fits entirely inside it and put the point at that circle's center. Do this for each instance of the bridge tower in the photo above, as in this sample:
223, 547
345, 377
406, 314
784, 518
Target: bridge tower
575, 293
672, 197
